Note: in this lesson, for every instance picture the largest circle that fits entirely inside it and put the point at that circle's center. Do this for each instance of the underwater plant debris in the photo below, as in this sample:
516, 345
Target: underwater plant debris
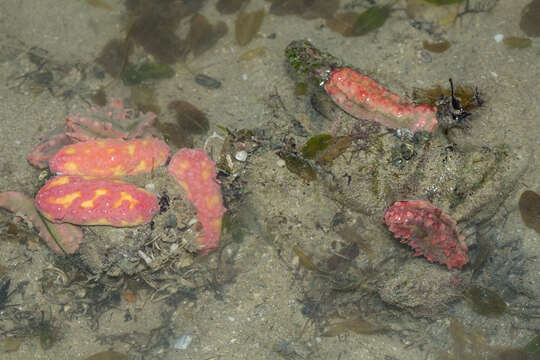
371, 19
146, 71
307, 9
436, 47
484, 301
230, 6
529, 19
247, 25
529, 208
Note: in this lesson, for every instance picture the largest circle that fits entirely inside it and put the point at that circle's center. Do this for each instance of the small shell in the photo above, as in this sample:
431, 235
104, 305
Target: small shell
241, 155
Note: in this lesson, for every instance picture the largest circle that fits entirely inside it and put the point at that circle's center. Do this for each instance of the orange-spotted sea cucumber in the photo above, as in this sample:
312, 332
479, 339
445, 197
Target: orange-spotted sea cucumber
92, 201
196, 173
110, 157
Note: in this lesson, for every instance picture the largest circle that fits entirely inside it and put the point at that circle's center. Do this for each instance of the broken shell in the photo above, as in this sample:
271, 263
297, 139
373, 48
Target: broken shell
241, 155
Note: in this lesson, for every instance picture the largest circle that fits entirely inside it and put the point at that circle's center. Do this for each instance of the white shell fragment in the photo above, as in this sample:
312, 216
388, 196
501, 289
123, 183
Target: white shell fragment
183, 341
241, 155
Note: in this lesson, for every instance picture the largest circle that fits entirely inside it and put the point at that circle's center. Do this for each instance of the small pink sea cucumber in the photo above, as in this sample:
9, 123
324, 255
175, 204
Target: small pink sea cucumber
83, 200
196, 174
364, 98
62, 238
428, 230
110, 157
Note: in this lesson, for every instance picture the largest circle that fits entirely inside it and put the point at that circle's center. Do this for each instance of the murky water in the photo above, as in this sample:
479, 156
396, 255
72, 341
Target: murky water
305, 268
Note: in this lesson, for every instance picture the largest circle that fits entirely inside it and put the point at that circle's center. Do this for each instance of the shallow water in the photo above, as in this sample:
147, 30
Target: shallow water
259, 298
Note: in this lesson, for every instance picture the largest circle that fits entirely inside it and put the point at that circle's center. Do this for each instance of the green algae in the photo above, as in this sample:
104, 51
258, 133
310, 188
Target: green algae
298, 166
484, 301
529, 209
147, 71
444, 2
371, 19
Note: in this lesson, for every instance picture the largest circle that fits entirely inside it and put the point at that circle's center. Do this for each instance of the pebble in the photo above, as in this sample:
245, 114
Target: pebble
183, 342
498, 38
241, 155
150, 187
207, 81
425, 56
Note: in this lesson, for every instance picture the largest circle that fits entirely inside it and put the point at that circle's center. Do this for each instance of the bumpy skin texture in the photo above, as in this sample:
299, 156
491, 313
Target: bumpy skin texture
110, 121
62, 238
364, 98
429, 231
196, 173
90, 201
110, 157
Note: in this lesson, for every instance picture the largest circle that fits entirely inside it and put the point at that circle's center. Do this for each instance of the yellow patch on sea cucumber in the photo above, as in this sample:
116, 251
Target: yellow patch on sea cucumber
140, 167
71, 167
59, 180
212, 201
127, 197
66, 200
97, 194
131, 149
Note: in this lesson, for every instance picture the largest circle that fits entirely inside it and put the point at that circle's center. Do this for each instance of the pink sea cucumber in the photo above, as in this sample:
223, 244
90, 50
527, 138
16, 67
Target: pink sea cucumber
110, 157
364, 98
428, 230
110, 121
62, 238
196, 174
93, 201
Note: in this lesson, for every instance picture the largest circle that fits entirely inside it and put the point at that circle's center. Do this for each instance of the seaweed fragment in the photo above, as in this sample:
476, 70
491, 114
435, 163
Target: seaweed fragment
305, 260
468, 96
307, 9
108, 355
355, 324
444, 2
298, 165
484, 301
247, 25
153, 24
325, 148
514, 42
529, 23
100, 4
203, 35
146, 71
230, 6
352, 23
189, 117
529, 208
113, 56
436, 47
371, 19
